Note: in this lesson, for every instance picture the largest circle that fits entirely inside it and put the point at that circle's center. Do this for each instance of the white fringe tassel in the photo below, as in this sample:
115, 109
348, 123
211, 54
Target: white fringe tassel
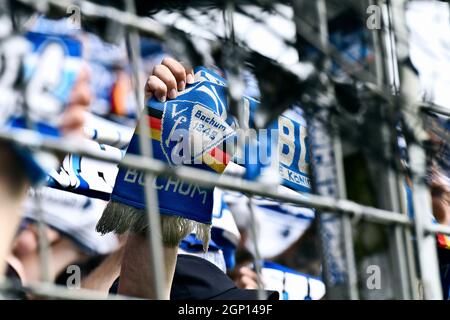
120, 218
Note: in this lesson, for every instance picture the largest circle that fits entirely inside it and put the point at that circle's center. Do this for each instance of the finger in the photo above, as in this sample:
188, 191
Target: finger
177, 70
247, 283
156, 87
72, 120
240, 284
166, 76
26, 243
190, 76
245, 271
81, 93
52, 235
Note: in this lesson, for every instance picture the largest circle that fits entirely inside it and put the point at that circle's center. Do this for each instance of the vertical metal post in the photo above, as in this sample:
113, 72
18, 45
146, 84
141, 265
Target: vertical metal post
236, 91
426, 243
257, 255
44, 245
389, 196
408, 90
338, 264
349, 255
145, 146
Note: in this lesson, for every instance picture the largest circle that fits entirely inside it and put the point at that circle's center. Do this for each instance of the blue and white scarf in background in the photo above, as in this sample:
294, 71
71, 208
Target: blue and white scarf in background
49, 65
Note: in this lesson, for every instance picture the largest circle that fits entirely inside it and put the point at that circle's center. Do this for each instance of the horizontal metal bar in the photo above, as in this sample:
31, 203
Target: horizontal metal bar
34, 140
431, 107
437, 228
50, 290
92, 10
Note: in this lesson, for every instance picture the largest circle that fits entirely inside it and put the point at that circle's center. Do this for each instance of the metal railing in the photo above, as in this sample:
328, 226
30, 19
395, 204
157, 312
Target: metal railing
420, 226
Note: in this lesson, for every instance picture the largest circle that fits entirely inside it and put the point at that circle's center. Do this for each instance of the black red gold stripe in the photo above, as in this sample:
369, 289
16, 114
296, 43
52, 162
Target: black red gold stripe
216, 158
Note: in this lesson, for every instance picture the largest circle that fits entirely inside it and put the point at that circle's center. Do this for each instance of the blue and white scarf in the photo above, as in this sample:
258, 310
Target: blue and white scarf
190, 130
49, 65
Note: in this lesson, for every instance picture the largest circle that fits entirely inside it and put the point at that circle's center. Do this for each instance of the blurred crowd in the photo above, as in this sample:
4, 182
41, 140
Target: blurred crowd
214, 241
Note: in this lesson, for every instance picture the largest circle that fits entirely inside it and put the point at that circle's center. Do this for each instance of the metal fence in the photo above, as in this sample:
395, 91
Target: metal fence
392, 216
